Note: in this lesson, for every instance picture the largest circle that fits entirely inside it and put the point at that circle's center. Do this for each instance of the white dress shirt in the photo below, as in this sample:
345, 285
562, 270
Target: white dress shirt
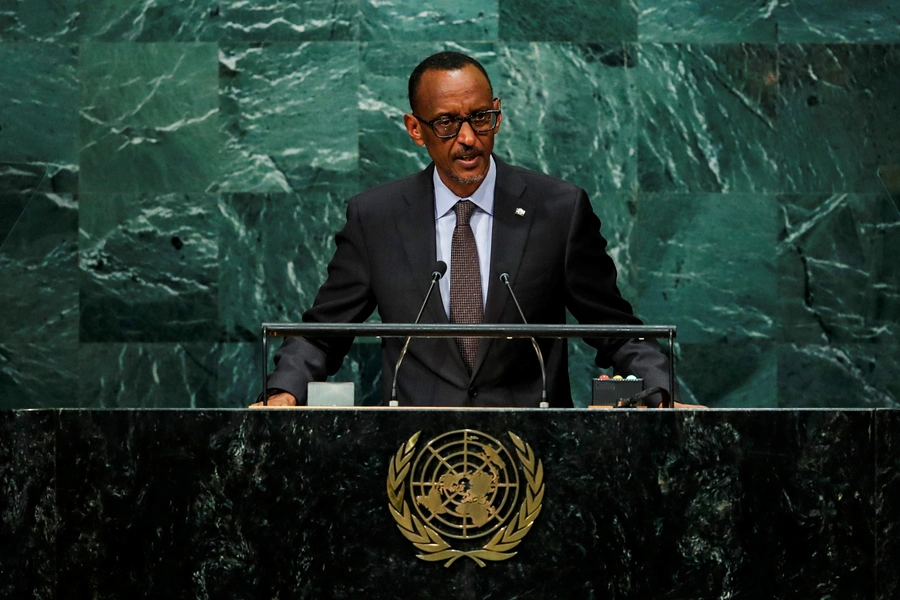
482, 223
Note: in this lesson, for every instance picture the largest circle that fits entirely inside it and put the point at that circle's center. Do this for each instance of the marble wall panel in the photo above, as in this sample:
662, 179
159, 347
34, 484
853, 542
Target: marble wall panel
707, 262
707, 118
154, 21
887, 503
39, 20
838, 122
839, 375
149, 267
27, 178
12, 207
38, 268
148, 376
287, 20
839, 280
208, 20
38, 116
39, 375
890, 180
814, 21
410, 20
149, 117
238, 376
28, 516
289, 117
274, 250
569, 112
729, 374
693, 21
568, 20
704, 21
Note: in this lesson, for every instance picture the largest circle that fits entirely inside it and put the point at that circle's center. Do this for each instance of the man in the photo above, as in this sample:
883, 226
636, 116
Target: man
481, 217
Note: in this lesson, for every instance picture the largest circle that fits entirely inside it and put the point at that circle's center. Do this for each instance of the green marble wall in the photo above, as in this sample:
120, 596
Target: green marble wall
172, 172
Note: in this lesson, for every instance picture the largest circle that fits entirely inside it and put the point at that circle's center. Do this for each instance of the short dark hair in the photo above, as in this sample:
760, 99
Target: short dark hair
442, 61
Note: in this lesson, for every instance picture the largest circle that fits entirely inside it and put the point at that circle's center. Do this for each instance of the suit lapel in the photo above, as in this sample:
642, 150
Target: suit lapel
416, 226
513, 217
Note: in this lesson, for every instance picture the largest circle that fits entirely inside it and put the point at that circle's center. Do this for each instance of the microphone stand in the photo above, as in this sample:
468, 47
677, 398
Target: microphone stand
439, 269
504, 277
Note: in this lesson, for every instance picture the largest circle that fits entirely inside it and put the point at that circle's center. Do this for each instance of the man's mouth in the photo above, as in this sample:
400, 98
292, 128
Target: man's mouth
468, 159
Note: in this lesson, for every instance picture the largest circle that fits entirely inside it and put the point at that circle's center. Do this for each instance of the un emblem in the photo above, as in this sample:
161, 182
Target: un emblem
465, 485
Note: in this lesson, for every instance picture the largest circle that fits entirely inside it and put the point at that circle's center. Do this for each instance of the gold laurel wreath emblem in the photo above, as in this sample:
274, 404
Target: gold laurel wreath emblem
434, 548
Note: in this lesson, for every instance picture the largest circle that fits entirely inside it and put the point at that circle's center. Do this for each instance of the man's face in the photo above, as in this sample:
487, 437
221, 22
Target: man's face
462, 162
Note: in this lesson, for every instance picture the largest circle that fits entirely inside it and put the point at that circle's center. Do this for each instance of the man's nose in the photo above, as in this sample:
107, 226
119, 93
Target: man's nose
466, 135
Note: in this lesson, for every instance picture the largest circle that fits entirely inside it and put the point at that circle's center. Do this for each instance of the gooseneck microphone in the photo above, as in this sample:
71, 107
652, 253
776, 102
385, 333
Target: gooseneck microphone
504, 277
439, 269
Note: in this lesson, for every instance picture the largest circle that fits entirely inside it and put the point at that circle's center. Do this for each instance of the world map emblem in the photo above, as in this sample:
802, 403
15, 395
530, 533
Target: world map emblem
464, 494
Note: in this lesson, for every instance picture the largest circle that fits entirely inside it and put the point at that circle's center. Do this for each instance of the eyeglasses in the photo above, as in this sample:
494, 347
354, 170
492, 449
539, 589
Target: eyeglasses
447, 127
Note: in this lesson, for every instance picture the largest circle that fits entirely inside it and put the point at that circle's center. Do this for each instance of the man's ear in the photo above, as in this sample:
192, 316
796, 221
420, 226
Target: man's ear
414, 129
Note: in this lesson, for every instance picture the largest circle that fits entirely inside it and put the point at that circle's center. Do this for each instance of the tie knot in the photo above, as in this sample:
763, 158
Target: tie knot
464, 210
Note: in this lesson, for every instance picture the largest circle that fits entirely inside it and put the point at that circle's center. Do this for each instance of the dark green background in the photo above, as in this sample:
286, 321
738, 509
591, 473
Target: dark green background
172, 173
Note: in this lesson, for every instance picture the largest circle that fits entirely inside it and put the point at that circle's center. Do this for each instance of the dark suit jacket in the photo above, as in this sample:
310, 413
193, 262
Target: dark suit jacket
555, 257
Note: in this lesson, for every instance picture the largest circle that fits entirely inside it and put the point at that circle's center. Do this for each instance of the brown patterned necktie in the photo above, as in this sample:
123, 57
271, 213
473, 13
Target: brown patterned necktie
465, 280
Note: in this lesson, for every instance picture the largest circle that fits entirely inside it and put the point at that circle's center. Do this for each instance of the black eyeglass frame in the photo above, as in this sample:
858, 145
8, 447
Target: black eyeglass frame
495, 112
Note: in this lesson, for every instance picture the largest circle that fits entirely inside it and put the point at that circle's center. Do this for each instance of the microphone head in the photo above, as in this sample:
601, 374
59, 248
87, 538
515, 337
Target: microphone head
504, 277
440, 268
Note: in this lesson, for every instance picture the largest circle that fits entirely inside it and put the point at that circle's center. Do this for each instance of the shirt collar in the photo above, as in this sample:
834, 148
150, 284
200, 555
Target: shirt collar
483, 197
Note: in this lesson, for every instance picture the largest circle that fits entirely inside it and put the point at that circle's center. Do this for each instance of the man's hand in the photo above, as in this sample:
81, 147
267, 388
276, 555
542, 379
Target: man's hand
688, 406
282, 399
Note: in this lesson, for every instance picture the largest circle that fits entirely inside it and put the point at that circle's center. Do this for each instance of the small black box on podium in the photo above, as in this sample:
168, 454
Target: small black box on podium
608, 392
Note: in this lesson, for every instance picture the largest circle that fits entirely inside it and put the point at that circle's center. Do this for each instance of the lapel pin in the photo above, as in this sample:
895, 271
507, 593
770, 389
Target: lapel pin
520, 212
